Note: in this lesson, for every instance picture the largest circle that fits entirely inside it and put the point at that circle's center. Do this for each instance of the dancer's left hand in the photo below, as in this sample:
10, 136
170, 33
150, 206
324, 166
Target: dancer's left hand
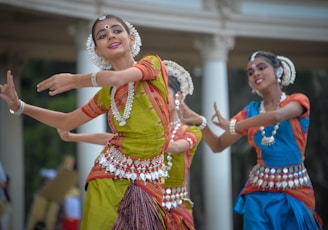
8, 93
58, 83
218, 120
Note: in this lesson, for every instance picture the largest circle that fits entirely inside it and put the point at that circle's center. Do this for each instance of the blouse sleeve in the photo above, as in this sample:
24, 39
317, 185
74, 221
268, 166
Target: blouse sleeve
246, 112
194, 135
150, 66
99, 104
303, 100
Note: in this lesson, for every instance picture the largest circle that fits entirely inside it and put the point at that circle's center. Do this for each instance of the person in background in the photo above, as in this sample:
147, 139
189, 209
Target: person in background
278, 193
124, 187
179, 154
71, 206
72, 209
6, 208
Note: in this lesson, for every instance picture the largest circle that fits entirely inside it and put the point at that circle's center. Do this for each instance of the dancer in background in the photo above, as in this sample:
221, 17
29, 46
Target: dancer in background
124, 187
278, 193
179, 154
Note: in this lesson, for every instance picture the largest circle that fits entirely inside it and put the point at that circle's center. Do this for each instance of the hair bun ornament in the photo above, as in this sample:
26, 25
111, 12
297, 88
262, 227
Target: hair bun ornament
137, 43
289, 71
100, 62
182, 75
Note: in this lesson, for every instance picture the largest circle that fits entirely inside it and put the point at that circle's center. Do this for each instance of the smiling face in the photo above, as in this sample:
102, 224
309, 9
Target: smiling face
261, 73
112, 39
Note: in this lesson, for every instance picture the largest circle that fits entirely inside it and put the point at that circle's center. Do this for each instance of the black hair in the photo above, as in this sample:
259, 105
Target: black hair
101, 18
270, 57
174, 84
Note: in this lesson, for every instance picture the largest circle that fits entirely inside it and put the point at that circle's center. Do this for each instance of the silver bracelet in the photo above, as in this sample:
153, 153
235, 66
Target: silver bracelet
94, 80
20, 110
232, 126
203, 124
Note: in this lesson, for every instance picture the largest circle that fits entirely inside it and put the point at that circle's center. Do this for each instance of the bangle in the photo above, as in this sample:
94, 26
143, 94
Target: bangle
20, 110
190, 142
203, 124
232, 126
94, 80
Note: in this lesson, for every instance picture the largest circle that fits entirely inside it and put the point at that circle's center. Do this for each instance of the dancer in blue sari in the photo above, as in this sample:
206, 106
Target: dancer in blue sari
278, 193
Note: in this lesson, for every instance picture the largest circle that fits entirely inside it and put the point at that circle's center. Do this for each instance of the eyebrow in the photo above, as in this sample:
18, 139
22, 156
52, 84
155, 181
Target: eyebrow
260, 63
103, 29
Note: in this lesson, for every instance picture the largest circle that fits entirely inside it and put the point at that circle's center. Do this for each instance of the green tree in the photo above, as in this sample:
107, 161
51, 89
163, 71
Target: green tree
43, 148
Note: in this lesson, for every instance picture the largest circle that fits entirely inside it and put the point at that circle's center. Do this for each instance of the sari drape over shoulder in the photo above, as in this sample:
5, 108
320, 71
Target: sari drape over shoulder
280, 175
130, 166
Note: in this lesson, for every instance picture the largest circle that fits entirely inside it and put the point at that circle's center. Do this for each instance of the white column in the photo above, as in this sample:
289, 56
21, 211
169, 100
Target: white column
12, 157
86, 153
217, 167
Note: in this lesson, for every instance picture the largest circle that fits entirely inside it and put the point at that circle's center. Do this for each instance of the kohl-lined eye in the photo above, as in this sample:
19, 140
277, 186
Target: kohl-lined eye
261, 67
117, 31
250, 73
102, 36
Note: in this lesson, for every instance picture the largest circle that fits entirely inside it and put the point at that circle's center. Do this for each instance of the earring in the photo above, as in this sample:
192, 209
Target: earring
279, 72
253, 90
177, 102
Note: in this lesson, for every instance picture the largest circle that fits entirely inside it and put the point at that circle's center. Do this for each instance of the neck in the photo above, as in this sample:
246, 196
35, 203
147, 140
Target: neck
273, 104
122, 63
273, 98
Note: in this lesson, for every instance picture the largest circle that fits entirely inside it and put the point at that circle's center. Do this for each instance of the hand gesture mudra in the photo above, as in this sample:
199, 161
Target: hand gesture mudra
8, 93
218, 120
58, 83
188, 116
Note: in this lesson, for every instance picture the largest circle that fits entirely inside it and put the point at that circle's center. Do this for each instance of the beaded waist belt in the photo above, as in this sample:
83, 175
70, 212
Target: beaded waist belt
291, 177
173, 197
124, 167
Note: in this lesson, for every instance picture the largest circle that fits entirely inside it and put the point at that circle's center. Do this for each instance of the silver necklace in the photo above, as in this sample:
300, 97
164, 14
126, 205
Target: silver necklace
267, 141
128, 105
174, 123
177, 125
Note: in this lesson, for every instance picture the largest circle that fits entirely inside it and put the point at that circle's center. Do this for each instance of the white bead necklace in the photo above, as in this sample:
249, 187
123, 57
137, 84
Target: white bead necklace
267, 141
174, 123
177, 125
128, 105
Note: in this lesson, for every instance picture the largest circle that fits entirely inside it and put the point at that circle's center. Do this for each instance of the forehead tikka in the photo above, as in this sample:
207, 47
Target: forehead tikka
101, 18
253, 56
106, 27
253, 66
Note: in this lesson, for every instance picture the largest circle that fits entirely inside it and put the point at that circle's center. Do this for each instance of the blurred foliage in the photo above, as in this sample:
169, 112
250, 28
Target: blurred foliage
43, 148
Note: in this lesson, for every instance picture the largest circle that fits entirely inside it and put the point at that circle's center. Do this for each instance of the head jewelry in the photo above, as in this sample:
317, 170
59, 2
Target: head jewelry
99, 61
285, 71
289, 71
182, 75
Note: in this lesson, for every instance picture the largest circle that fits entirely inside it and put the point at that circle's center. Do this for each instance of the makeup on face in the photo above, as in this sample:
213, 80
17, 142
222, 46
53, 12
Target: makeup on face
260, 66
114, 28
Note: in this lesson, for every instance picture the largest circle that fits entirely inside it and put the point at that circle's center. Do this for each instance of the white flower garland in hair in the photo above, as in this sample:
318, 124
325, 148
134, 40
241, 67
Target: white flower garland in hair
137, 43
100, 62
182, 75
289, 71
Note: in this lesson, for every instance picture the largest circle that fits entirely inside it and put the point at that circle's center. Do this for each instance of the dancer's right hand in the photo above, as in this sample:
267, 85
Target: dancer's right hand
8, 93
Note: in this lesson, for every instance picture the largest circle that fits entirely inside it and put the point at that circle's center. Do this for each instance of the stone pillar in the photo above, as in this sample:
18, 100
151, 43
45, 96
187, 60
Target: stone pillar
86, 153
217, 167
12, 142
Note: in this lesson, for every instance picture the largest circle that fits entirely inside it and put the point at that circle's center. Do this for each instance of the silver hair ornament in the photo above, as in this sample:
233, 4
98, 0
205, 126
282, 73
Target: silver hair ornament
99, 61
182, 75
279, 72
177, 102
289, 71
254, 55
